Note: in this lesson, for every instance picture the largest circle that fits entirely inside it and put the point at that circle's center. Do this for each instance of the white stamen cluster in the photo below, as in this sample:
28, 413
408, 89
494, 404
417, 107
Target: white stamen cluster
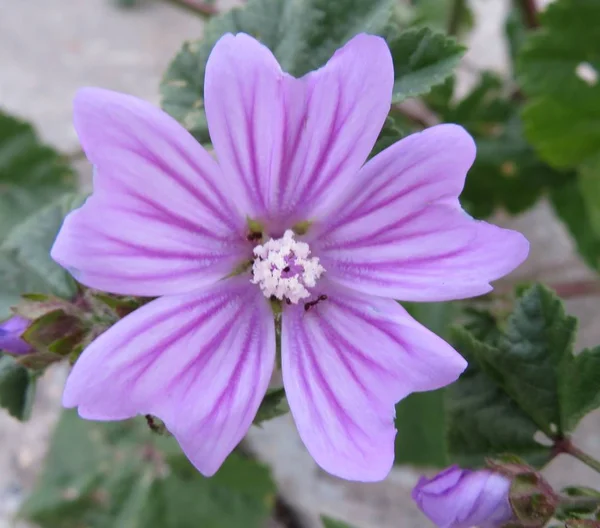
273, 257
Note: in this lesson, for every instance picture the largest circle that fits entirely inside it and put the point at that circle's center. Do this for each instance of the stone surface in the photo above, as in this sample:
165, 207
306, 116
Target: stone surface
49, 48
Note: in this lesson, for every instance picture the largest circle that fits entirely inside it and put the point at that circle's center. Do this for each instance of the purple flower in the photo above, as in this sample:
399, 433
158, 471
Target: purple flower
288, 213
460, 498
10, 335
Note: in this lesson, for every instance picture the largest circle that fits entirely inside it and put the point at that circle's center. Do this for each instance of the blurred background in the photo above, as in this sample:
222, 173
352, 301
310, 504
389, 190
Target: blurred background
50, 48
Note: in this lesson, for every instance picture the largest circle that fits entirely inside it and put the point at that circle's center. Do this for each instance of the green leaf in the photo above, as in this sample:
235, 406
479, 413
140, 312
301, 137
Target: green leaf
421, 418
17, 388
421, 425
537, 380
483, 420
303, 35
396, 127
507, 172
436, 14
562, 119
274, 404
573, 208
516, 32
31, 174
328, 522
422, 60
581, 386
120, 474
25, 262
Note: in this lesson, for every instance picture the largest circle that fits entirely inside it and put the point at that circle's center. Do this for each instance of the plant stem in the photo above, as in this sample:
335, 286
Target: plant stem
456, 16
580, 502
200, 7
566, 446
530, 14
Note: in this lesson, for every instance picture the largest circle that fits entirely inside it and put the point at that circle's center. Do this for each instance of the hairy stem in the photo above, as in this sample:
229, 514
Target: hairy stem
530, 14
580, 502
203, 8
566, 446
456, 15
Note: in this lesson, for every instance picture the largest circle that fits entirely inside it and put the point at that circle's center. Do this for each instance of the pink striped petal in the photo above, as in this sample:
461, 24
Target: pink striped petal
201, 362
346, 362
159, 221
291, 143
402, 232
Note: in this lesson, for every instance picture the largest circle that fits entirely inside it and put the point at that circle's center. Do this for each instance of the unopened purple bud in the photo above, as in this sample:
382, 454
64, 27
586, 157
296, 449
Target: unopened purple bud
11, 331
461, 498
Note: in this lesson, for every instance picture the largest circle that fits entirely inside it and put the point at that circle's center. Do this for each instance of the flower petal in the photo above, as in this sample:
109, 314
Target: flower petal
290, 143
346, 362
159, 221
11, 331
402, 232
201, 362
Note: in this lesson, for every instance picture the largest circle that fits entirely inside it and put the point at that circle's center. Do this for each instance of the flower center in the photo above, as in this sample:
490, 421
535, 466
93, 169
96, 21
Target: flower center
283, 268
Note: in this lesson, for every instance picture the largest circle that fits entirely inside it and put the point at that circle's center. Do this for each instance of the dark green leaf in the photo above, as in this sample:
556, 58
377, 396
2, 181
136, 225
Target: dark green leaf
421, 424
31, 174
17, 388
507, 173
534, 354
120, 474
274, 404
396, 127
483, 420
581, 384
422, 60
516, 32
303, 35
25, 263
558, 69
420, 418
535, 376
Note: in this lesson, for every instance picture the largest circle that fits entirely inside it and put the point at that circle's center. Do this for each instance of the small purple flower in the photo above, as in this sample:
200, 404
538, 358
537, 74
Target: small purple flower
11, 331
460, 498
289, 214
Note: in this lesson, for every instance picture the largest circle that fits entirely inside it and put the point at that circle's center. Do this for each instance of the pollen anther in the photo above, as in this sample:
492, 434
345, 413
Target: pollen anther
283, 268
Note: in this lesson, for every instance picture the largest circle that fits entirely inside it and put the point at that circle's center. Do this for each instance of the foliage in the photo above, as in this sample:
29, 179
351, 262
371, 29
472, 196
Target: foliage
31, 173
17, 388
121, 474
558, 69
303, 35
421, 418
521, 379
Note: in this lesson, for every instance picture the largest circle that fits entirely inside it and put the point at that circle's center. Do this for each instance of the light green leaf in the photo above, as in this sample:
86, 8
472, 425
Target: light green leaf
303, 34
558, 70
25, 263
572, 207
31, 174
328, 522
17, 388
120, 474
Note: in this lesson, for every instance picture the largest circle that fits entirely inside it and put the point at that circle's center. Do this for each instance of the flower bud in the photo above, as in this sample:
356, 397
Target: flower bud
11, 331
461, 498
